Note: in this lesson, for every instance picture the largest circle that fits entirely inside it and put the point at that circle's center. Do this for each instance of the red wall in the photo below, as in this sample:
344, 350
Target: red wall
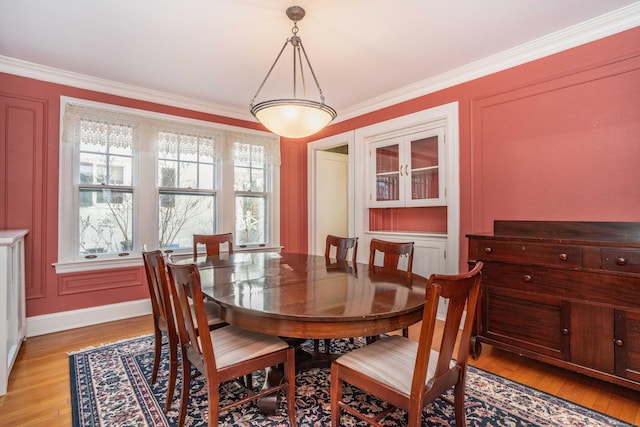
553, 139
29, 149
424, 219
557, 138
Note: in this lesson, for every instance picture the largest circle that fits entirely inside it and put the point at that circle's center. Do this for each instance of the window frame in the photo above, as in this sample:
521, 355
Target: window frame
146, 190
179, 189
267, 186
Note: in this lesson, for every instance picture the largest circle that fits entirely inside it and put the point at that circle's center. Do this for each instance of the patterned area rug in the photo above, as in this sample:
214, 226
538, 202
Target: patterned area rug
110, 387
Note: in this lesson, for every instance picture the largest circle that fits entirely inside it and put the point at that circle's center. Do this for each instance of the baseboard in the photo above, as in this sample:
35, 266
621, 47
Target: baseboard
56, 322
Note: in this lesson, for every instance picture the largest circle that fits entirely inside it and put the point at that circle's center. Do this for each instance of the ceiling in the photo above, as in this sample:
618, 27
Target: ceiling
217, 52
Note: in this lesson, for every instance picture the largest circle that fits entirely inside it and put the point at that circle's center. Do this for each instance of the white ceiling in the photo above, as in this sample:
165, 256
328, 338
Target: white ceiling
216, 52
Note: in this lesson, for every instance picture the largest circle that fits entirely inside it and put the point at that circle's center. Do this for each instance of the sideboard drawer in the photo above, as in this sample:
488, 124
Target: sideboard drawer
532, 279
527, 253
625, 260
567, 284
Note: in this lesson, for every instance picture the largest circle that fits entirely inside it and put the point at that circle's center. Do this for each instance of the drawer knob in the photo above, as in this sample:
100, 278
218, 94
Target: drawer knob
621, 261
563, 257
564, 331
527, 278
488, 250
619, 343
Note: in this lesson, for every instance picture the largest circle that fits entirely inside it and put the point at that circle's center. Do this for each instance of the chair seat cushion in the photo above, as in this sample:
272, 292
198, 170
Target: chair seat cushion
389, 360
233, 345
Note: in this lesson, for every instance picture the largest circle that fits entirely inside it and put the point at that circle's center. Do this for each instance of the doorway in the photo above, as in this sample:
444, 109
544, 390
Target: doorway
330, 190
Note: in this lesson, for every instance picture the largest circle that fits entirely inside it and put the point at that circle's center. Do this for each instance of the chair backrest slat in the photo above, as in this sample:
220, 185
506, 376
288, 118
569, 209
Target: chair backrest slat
392, 252
342, 245
159, 292
212, 243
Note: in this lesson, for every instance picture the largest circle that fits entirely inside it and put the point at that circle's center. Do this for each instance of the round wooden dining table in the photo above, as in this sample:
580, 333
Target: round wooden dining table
303, 296
308, 296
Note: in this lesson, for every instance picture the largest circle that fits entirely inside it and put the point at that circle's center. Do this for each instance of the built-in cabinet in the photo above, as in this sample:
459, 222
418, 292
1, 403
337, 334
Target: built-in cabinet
408, 170
411, 162
12, 301
567, 293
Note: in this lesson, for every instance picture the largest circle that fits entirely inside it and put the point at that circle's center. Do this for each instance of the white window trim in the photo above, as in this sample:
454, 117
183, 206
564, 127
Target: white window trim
144, 204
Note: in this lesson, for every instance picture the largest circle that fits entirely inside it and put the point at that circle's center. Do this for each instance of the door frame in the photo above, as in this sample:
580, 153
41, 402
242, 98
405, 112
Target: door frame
346, 138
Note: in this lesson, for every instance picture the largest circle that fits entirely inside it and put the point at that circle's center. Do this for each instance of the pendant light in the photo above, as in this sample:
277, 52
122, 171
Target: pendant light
293, 117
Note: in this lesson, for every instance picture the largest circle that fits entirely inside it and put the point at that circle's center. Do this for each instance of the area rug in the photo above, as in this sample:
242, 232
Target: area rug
110, 387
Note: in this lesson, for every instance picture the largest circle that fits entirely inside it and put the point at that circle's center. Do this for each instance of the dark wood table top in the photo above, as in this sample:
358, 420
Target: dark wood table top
304, 296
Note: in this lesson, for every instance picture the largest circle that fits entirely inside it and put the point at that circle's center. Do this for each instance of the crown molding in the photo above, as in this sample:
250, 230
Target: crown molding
605, 25
602, 26
53, 75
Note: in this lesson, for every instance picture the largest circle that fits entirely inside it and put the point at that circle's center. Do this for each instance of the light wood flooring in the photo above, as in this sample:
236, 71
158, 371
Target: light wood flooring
39, 392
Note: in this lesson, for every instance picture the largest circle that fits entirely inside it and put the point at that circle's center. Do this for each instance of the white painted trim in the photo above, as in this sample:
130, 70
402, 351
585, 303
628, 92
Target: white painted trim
602, 26
82, 81
594, 29
65, 320
324, 144
145, 206
448, 115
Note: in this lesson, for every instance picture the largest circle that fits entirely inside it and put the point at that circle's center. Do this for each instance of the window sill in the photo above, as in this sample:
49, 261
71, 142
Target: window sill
93, 264
134, 260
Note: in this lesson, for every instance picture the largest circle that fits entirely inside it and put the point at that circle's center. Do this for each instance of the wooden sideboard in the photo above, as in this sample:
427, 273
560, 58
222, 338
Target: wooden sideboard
566, 293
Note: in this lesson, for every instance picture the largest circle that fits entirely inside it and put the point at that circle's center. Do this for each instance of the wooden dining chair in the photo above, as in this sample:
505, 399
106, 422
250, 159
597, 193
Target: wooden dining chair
392, 253
342, 246
420, 373
164, 317
225, 354
212, 243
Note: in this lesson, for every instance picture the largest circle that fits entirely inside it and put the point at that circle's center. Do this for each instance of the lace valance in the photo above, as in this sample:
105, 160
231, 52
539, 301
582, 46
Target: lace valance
147, 132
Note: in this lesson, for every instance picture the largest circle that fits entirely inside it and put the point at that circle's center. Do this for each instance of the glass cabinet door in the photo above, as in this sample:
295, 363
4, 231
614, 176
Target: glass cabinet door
387, 172
424, 160
407, 170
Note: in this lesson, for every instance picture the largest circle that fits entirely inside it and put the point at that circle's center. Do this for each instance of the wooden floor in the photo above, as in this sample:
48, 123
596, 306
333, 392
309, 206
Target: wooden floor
39, 393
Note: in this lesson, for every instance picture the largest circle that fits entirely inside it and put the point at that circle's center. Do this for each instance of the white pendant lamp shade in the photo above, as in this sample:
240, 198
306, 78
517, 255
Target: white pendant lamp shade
293, 118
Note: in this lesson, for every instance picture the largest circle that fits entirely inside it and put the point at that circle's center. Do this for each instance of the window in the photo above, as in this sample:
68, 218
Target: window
105, 192
252, 194
186, 188
130, 178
